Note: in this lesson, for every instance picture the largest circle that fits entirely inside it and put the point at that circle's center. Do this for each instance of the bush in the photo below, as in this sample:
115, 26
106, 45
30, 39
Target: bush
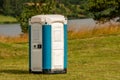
24, 17
31, 9
51, 7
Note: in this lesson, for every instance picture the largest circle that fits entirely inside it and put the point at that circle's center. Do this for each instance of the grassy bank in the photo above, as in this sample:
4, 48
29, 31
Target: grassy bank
96, 32
7, 19
95, 58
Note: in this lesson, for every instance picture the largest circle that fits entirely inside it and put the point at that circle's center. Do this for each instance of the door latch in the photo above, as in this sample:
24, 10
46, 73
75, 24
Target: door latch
39, 46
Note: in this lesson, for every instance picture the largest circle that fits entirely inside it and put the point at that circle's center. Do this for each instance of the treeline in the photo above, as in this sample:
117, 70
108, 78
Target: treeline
49, 7
11, 7
15, 7
97, 9
100, 10
103, 10
24, 9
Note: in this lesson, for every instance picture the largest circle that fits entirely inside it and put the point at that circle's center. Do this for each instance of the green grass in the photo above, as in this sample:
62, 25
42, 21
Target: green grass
96, 58
7, 19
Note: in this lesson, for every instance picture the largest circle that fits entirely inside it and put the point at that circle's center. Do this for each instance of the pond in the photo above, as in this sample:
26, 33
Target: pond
10, 29
81, 24
77, 24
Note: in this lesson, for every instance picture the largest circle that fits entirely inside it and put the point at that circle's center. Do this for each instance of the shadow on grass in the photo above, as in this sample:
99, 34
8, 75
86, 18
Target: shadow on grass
14, 71
22, 72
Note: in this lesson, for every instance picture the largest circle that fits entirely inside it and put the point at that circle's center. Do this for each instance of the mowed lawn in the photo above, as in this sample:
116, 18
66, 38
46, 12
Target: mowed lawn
96, 58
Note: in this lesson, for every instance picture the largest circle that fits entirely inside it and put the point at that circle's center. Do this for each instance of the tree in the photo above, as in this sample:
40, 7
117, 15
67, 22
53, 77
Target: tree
16, 7
11, 7
1, 6
103, 10
34, 8
7, 7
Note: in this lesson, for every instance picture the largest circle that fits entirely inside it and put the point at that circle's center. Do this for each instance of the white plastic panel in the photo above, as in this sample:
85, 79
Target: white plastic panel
57, 46
56, 38
48, 18
36, 35
36, 60
36, 47
57, 59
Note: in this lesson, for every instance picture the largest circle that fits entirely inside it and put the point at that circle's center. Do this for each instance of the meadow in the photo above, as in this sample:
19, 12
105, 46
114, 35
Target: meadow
90, 57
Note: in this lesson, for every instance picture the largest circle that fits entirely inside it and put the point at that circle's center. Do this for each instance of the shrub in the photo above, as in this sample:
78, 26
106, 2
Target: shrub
31, 9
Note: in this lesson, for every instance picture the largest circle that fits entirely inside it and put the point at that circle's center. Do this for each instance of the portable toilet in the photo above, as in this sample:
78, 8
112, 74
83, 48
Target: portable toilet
48, 44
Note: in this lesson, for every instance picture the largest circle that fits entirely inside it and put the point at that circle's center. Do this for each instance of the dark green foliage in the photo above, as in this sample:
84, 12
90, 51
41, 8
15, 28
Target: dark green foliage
24, 17
14, 7
48, 7
1, 6
104, 10
11, 7
73, 1
7, 7
30, 10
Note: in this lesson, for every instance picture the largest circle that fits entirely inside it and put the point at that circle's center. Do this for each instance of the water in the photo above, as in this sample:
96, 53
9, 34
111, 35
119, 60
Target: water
78, 24
10, 29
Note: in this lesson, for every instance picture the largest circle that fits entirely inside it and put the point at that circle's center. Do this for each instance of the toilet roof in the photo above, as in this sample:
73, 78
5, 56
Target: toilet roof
48, 18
